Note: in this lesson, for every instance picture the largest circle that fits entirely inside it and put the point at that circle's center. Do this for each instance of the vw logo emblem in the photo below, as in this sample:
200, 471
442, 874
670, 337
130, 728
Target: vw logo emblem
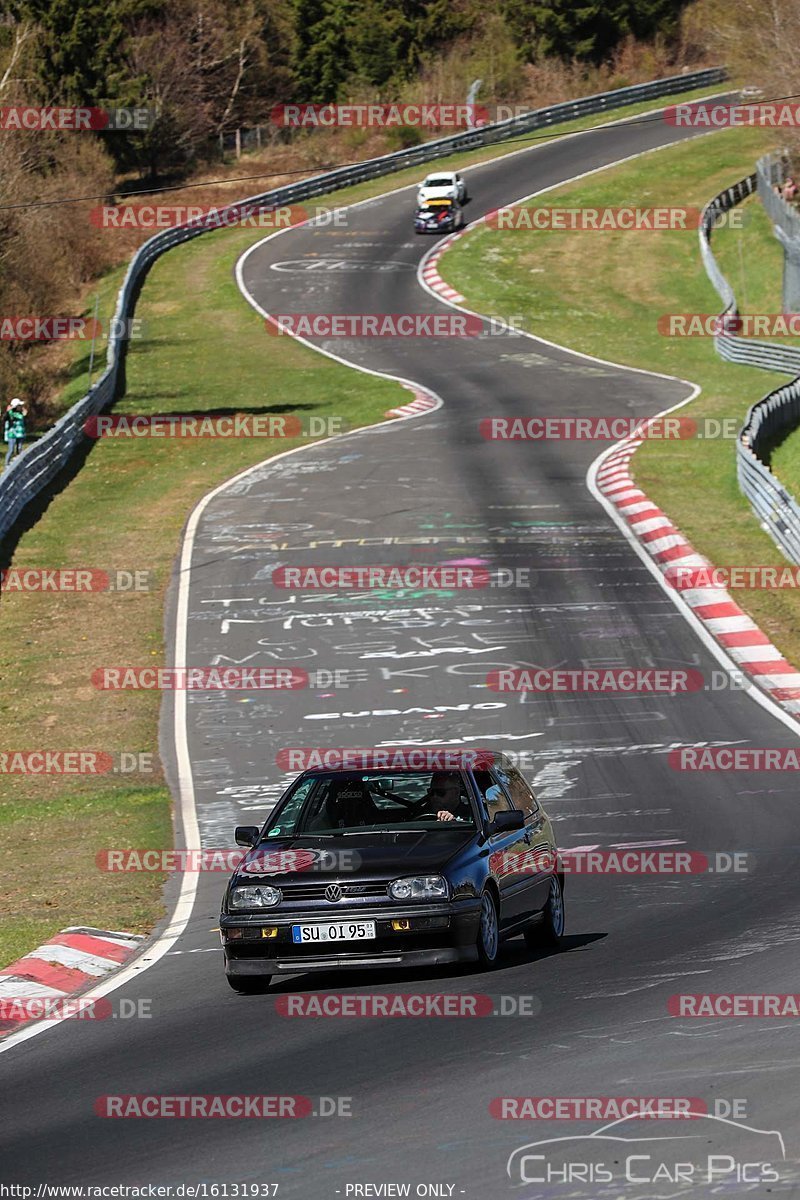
333, 892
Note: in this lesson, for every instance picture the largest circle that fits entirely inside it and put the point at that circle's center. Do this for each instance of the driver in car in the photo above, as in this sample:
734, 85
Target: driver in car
443, 797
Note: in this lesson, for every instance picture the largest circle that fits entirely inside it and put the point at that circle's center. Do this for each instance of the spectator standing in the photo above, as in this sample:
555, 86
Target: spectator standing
14, 427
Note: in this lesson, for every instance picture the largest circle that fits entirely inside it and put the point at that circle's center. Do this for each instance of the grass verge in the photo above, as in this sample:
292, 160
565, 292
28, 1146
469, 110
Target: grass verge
639, 276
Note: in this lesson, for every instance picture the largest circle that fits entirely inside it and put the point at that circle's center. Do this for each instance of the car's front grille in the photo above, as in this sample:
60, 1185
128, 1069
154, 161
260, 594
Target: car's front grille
349, 891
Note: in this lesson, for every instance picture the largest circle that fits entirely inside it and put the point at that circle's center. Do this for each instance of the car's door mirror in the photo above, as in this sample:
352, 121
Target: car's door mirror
510, 818
246, 835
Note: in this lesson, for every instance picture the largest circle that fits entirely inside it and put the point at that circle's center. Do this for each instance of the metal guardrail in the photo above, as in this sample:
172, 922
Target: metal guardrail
752, 352
41, 461
776, 509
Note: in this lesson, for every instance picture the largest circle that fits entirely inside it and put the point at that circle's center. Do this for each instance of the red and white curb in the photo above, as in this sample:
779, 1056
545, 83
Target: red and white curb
73, 958
430, 272
423, 402
737, 633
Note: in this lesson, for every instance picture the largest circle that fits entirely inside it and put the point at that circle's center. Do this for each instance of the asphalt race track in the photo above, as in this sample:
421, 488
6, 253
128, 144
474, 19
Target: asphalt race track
414, 669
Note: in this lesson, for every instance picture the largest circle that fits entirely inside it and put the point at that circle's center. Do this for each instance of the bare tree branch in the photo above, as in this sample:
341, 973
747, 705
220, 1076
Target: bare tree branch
237, 83
21, 35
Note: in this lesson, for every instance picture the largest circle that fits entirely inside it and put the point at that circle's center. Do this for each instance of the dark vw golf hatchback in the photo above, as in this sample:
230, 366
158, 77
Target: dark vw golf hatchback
381, 867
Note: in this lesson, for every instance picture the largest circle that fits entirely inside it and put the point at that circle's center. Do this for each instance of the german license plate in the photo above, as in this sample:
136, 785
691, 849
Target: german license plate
336, 931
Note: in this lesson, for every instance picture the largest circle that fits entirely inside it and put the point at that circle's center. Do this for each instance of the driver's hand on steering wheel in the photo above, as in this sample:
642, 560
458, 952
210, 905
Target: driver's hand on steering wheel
445, 815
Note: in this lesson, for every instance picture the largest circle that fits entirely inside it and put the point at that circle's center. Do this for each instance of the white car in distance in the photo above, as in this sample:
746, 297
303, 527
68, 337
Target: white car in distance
443, 185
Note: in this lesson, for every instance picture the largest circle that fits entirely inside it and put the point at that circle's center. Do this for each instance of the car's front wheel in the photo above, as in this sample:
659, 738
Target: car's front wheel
249, 985
550, 930
488, 942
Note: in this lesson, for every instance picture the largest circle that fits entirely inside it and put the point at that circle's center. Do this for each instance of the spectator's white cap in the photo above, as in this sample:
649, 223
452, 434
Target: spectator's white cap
17, 403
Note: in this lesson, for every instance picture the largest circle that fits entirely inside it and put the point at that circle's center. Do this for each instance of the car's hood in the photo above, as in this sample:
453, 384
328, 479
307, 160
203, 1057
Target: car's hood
373, 855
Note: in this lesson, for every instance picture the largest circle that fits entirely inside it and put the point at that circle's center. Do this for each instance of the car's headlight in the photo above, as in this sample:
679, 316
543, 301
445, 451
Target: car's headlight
261, 895
419, 887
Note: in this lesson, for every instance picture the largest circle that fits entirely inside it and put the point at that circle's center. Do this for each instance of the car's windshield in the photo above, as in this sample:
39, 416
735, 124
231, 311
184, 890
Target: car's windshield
338, 803
439, 181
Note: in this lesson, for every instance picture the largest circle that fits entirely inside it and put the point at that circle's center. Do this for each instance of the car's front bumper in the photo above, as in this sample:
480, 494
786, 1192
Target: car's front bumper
441, 933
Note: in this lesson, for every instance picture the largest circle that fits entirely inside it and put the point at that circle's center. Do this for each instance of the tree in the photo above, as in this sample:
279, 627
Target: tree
589, 29
759, 42
379, 43
322, 59
167, 69
79, 45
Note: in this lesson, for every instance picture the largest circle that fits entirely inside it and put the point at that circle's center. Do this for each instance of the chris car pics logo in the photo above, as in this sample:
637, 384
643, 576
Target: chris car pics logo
708, 1151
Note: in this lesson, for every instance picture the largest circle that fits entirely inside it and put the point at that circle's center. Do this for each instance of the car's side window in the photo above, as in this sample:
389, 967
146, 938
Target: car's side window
291, 811
494, 798
518, 789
